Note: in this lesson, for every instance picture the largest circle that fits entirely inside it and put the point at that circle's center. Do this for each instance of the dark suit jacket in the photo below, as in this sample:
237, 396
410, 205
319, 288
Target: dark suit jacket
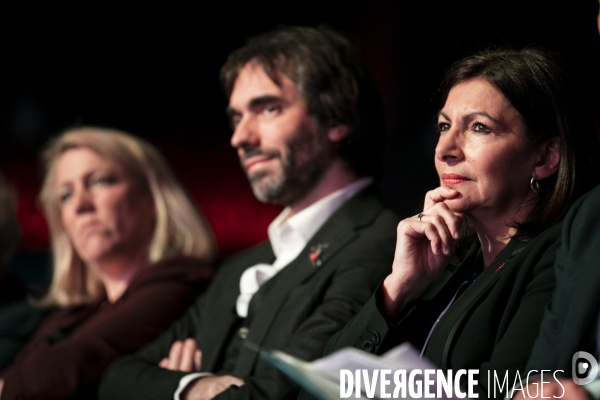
569, 324
491, 326
296, 311
68, 354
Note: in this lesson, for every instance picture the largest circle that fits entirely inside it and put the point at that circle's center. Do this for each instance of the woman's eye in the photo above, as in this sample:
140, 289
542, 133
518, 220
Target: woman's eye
103, 180
479, 127
443, 126
64, 197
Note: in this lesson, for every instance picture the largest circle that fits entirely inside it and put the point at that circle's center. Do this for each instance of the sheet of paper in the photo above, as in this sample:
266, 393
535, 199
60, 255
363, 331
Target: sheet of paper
322, 377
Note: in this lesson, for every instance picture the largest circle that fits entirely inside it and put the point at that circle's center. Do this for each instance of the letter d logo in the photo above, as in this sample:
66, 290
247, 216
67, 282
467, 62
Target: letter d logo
583, 365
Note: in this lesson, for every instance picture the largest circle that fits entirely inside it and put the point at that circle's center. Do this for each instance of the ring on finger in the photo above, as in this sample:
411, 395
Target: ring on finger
419, 216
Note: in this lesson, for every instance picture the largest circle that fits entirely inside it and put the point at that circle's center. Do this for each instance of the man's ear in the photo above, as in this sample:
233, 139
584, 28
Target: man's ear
337, 133
549, 160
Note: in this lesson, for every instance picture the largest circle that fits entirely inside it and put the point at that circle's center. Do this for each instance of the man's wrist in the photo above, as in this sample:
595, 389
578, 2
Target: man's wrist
186, 381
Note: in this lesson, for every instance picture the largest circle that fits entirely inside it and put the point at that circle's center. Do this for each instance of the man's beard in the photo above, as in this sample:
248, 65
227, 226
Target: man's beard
293, 177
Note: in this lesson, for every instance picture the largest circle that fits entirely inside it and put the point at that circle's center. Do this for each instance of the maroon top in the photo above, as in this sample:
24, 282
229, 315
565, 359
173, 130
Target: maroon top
69, 352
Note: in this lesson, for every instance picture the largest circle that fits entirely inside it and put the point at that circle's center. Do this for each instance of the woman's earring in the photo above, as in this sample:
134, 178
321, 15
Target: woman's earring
534, 184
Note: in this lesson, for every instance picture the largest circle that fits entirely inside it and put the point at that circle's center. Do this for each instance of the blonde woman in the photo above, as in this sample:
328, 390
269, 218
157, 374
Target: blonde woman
130, 250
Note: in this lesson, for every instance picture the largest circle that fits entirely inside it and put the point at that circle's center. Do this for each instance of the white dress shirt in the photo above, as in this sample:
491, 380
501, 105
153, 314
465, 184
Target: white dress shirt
288, 236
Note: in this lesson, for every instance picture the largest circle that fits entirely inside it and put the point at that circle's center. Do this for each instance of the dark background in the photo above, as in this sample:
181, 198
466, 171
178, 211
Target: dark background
153, 71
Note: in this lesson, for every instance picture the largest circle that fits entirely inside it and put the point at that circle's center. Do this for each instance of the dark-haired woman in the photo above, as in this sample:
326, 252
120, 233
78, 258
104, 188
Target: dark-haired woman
507, 173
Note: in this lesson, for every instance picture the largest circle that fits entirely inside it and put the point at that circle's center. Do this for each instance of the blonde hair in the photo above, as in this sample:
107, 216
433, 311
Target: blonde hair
180, 228
10, 230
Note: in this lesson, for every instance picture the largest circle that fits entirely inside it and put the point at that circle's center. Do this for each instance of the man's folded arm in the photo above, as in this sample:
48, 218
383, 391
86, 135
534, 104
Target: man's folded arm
349, 290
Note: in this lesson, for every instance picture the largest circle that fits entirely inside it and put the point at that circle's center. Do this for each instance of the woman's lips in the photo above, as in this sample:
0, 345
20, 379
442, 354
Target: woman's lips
89, 227
453, 179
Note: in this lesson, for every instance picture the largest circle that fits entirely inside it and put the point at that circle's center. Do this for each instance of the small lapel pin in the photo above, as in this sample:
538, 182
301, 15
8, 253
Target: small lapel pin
315, 254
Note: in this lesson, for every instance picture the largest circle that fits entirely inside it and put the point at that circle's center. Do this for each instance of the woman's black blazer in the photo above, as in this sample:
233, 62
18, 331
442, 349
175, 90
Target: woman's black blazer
491, 326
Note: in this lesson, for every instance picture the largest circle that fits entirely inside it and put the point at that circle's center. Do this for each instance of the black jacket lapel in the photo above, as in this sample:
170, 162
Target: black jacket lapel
223, 308
333, 237
471, 297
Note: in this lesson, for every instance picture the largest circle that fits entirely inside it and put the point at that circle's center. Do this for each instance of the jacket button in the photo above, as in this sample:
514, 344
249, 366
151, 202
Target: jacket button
368, 346
243, 332
375, 338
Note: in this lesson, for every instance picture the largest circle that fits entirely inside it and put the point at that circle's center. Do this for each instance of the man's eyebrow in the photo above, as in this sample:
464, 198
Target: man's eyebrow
255, 102
262, 100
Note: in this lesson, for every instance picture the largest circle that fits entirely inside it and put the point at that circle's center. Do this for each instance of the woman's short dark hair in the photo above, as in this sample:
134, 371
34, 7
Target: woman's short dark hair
334, 84
533, 82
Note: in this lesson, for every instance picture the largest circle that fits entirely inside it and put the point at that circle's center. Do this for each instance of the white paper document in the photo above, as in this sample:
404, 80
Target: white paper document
324, 378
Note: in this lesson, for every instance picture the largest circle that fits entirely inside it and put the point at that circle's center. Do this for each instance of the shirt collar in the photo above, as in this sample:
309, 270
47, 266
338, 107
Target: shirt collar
308, 221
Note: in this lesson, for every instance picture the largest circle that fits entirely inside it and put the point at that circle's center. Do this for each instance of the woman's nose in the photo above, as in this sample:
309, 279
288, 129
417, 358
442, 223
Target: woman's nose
83, 201
449, 146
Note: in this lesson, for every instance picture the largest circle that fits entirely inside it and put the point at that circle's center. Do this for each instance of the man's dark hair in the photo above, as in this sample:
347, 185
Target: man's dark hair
533, 82
334, 84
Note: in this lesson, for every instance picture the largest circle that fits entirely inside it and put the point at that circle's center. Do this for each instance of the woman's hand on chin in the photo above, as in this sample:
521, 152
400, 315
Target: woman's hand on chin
438, 195
424, 245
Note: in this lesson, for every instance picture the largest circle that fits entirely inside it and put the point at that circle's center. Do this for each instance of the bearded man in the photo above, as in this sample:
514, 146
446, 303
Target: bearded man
309, 132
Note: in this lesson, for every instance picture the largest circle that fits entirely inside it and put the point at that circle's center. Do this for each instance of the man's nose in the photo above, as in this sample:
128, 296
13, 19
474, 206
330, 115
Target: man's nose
245, 134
